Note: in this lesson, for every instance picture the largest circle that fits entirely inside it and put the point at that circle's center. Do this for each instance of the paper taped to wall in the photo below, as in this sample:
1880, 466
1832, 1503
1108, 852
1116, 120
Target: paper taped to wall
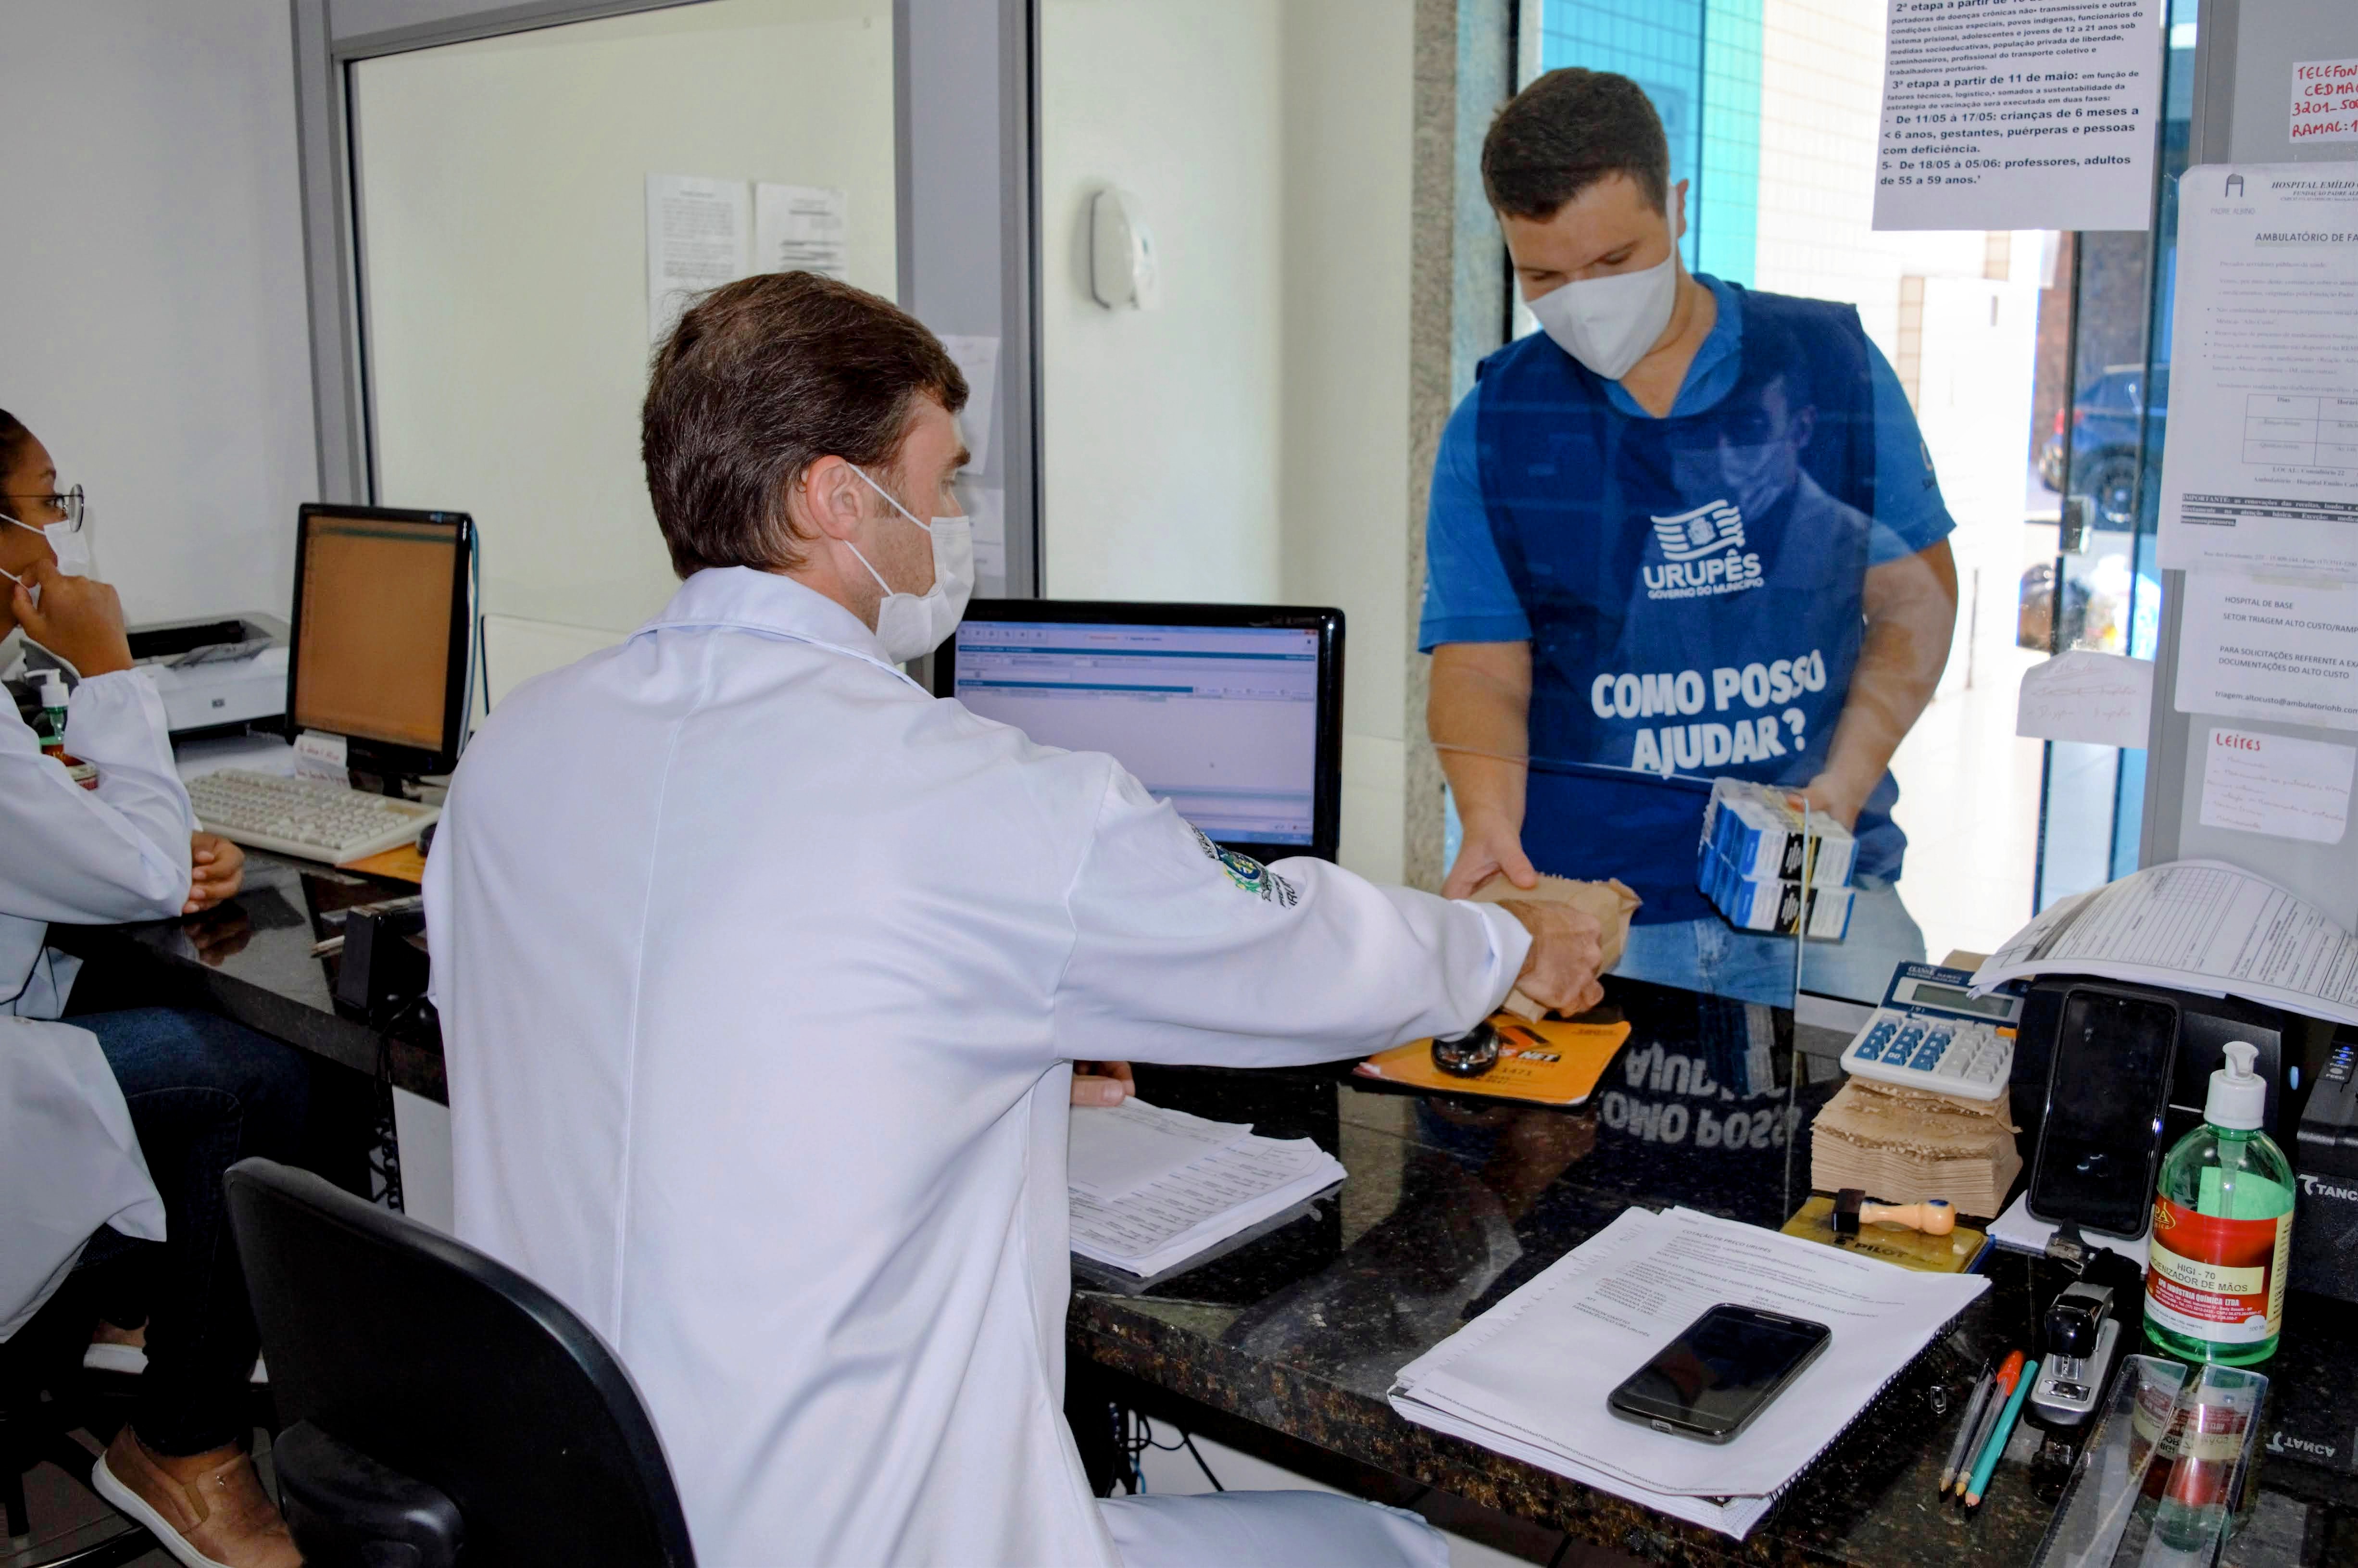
2260, 465
2275, 785
2019, 114
2269, 648
977, 361
2104, 699
697, 240
800, 228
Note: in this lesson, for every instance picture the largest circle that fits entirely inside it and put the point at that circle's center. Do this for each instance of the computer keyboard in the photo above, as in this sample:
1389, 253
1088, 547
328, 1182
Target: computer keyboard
304, 818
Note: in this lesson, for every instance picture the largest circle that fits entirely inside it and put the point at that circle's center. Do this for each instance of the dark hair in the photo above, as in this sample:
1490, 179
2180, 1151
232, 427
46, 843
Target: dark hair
1567, 131
13, 436
761, 379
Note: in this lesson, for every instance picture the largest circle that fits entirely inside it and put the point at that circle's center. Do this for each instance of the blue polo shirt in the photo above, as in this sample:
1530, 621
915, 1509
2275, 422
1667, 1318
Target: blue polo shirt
1467, 598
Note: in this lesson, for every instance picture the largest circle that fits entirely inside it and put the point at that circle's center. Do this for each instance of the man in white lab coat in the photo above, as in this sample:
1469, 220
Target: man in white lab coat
762, 973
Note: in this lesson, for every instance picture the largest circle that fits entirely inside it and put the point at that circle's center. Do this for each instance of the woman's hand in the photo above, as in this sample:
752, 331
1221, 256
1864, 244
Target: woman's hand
1102, 1083
79, 619
216, 870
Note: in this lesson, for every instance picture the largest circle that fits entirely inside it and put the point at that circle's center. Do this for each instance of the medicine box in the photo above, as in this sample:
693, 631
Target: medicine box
1772, 904
1756, 829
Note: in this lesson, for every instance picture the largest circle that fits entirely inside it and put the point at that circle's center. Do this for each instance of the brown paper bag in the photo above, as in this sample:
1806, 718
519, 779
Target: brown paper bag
1610, 904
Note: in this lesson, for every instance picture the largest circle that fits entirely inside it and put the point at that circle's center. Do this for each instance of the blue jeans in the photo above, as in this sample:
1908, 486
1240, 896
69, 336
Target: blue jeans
1712, 956
205, 1094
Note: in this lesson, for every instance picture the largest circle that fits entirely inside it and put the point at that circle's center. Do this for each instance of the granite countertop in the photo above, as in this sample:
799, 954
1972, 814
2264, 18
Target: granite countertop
1452, 1203
250, 958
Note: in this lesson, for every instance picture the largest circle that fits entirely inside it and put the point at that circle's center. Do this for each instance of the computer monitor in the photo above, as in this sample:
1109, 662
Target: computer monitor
378, 653
1233, 713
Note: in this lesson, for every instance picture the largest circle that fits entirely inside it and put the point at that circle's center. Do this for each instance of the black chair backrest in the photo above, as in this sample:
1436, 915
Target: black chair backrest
451, 1369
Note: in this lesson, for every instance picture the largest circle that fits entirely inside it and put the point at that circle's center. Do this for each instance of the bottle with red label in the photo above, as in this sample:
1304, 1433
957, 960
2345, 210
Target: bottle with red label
2214, 1284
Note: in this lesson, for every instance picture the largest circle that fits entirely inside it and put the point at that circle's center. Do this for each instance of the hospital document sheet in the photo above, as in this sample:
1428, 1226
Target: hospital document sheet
2197, 926
2260, 471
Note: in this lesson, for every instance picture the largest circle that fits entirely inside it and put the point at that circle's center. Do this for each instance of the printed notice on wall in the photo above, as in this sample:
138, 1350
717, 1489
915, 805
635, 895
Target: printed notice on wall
2019, 114
2325, 101
800, 228
697, 240
2259, 471
2277, 786
977, 361
2274, 648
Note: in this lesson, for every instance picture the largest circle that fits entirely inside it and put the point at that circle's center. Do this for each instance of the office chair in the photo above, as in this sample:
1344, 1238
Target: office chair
433, 1400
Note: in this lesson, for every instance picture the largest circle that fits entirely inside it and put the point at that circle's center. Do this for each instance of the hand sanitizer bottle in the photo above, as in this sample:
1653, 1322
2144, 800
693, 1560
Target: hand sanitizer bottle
2222, 1229
52, 728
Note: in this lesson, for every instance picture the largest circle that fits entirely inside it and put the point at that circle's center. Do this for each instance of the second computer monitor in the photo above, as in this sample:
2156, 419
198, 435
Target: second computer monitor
1232, 713
380, 637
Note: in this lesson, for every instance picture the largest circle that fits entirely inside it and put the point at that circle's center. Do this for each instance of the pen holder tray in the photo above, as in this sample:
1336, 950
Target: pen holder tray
2162, 1475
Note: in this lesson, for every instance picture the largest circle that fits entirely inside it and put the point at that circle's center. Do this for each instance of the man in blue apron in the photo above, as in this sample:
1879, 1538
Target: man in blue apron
1688, 530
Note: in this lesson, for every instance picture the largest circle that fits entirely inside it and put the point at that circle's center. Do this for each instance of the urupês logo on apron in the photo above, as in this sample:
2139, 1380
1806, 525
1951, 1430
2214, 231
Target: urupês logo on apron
1702, 552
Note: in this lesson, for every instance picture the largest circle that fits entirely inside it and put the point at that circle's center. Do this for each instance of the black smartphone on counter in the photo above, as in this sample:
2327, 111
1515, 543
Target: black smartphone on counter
2107, 1094
1721, 1371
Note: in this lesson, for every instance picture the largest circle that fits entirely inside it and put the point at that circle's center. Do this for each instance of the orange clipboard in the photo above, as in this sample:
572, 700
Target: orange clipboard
1552, 1062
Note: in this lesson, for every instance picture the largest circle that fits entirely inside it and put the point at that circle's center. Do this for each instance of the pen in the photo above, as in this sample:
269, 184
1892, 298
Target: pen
1980, 1478
1958, 1449
2008, 1371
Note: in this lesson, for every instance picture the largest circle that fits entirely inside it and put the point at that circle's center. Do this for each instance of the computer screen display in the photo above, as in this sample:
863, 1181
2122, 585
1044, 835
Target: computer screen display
374, 603
1221, 721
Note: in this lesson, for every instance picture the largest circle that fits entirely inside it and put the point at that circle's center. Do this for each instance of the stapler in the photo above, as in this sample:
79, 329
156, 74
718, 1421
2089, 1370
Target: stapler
2081, 1334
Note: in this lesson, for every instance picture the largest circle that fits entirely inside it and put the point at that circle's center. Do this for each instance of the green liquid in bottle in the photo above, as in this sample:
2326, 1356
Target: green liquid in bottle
2227, 1173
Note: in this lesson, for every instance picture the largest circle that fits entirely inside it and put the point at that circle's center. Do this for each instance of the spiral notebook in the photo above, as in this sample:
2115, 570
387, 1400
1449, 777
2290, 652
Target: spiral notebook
1529, 1377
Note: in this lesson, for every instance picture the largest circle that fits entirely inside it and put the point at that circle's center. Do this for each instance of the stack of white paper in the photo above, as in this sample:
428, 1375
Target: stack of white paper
2197, 926
1152, 1188
1529, 1377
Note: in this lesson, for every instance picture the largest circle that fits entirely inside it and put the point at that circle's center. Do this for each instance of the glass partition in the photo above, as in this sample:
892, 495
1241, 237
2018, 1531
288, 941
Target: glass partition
506, 191
1225, 256
1989, 464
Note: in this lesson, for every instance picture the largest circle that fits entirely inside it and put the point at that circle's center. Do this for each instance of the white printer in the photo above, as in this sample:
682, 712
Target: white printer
216, 672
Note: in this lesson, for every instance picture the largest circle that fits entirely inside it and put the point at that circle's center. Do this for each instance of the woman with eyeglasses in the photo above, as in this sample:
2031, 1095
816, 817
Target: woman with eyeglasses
201, 1092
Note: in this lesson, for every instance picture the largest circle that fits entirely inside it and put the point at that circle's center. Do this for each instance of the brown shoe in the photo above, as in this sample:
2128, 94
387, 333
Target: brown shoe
221, 1519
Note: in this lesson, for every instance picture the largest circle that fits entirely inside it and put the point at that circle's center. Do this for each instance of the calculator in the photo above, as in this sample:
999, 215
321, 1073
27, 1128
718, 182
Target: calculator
1932, 1032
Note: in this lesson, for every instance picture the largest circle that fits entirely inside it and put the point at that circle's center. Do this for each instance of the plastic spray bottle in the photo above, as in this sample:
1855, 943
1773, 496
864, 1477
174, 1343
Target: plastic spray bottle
2214, 1288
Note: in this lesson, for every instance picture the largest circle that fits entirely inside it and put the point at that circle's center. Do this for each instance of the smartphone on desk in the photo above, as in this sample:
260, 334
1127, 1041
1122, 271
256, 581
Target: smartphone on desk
1721, 1371
2107, 1094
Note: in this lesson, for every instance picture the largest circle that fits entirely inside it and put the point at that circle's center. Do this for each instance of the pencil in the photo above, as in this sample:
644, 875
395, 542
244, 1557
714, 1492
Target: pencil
2000, 1386
1980, 1476
1958, 1449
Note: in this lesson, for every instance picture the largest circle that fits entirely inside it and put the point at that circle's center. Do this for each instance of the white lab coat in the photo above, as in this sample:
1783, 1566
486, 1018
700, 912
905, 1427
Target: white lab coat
761, 972
69, 1163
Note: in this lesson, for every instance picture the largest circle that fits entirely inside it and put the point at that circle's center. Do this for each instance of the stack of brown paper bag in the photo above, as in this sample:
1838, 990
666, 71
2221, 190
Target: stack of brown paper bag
1609, 902
1904, 1145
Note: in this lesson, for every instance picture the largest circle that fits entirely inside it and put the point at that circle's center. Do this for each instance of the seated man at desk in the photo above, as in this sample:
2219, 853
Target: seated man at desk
762, 973
203, 1092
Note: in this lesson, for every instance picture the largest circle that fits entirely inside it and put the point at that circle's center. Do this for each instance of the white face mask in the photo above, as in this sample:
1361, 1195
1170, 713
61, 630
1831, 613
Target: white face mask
912, 625
69, 544
1608, 323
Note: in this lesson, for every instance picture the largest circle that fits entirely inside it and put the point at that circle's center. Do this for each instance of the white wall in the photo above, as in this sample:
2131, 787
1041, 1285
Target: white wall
503, 209
154, 335
1248, 441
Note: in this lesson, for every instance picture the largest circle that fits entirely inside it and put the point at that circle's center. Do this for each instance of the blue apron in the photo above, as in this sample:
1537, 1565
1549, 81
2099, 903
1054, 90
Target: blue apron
1693, 590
